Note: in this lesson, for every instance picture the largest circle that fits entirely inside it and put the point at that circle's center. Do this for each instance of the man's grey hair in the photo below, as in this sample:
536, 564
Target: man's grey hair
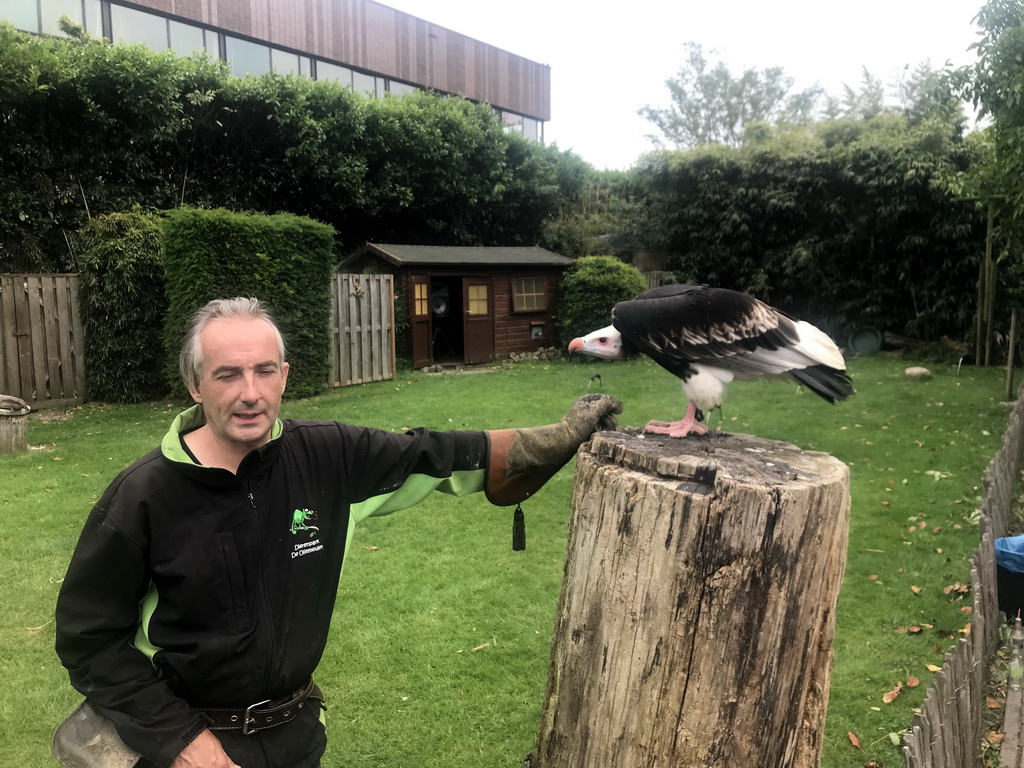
190, 361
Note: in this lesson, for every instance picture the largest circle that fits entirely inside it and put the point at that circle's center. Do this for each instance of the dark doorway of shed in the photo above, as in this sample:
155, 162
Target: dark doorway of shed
449, 330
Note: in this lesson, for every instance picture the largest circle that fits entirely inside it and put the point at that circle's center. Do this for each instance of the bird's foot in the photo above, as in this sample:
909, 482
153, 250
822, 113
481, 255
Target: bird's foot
675, 428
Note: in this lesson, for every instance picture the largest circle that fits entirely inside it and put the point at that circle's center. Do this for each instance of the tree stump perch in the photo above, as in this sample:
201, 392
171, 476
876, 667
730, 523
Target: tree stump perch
13, 424
697, 612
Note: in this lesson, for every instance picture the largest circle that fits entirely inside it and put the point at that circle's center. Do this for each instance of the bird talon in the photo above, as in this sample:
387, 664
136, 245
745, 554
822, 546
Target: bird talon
675, 428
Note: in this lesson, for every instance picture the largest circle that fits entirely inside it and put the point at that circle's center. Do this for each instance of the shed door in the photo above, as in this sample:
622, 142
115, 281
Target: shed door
419, 321
478, 311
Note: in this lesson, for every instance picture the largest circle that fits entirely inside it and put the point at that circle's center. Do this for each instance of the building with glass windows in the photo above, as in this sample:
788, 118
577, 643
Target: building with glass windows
361, 43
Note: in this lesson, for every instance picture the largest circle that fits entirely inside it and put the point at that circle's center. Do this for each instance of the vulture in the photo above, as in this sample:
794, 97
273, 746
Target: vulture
708, 337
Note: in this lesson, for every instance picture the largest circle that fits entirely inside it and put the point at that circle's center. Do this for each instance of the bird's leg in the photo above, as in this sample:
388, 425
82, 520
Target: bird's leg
688, 425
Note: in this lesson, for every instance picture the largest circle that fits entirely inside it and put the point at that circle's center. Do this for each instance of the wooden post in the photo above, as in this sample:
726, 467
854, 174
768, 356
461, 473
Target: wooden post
1011, 357
697, 613
13, 424
983, 286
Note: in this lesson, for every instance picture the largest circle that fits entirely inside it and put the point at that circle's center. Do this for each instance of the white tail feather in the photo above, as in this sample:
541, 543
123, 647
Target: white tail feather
817, 345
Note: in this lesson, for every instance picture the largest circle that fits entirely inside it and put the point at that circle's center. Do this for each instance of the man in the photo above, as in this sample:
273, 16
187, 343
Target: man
197, 603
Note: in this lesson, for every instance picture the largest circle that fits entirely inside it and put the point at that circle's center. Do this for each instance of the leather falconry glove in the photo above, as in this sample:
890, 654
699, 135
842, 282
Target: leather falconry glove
551, 446
534, 454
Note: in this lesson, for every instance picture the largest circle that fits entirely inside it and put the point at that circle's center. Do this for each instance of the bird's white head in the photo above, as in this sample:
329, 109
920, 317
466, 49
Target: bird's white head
606, 342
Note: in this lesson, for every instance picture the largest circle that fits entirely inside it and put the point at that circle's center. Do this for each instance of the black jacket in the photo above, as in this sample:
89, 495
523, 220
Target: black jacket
192, 587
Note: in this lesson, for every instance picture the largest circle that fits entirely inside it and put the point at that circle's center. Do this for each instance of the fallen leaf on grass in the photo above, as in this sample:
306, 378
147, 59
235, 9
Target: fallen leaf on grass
958, 587
995, 737
371, 548
913, 682
891, 696
481, 647
916, 590
853, 739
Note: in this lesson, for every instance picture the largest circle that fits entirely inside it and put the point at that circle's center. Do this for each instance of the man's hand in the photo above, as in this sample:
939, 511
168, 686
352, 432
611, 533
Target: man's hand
205, 751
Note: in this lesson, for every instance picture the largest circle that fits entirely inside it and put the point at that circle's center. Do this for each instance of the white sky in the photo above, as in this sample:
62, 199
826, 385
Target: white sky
608, 60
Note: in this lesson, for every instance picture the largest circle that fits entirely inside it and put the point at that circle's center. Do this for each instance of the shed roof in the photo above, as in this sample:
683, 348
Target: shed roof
437, 255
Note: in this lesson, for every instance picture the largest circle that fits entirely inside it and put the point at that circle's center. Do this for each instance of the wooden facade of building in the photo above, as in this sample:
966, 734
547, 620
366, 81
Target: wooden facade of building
382, 40
471, 305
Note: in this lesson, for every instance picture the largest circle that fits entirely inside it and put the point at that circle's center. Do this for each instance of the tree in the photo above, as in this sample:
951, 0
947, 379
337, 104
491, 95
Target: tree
924, 92
711, 106
592, 223
854, 231
994, 84
868, 101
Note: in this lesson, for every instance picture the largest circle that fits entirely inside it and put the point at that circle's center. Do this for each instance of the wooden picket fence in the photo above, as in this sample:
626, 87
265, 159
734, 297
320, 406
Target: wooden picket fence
658, 278
362, 329
42, 347
947, 732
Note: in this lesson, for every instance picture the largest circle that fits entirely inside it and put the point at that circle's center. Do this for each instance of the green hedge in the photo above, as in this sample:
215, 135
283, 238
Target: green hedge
864, 232
284, 260
121, 280
92, 128
590, 288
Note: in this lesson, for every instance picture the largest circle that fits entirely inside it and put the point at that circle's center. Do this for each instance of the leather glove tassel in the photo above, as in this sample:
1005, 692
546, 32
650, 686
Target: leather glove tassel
546, 449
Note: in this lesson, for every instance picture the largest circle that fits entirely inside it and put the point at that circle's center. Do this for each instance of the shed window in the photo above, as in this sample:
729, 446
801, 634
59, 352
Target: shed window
477, 295
529, 294
421, 303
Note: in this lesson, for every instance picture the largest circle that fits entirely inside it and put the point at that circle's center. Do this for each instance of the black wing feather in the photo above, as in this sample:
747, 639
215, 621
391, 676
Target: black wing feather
677, 325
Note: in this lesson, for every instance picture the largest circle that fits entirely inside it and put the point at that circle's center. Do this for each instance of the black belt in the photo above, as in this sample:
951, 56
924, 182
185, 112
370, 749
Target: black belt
262, 714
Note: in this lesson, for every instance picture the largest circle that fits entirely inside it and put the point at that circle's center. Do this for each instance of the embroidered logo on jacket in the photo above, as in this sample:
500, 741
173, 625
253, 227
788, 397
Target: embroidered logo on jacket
301, 519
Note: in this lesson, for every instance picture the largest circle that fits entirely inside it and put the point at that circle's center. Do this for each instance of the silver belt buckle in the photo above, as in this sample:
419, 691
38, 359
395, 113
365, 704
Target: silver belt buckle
249, 719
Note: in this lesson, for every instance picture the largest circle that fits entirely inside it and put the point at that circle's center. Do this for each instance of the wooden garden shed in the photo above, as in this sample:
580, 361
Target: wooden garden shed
470, 304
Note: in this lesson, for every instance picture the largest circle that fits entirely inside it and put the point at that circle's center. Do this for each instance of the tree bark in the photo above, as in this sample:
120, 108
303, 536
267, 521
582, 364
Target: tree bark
697, 612
13, 433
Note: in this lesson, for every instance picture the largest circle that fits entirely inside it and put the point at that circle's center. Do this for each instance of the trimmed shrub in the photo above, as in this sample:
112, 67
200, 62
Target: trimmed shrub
121, 281
91, 128
591, 287
283, 260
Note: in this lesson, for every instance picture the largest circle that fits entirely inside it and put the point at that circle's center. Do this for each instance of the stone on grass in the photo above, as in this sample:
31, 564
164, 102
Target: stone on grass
917, 372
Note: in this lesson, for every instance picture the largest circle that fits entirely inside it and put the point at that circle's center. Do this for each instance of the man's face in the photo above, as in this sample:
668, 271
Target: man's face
242, 381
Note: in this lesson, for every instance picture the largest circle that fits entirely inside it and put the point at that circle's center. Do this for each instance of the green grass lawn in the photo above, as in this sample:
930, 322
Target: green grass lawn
441, 641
